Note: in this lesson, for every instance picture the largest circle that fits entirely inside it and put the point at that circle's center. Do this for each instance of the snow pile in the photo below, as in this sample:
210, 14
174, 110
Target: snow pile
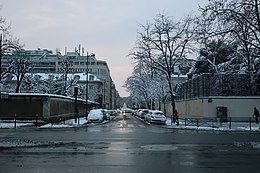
67, 124
12, 125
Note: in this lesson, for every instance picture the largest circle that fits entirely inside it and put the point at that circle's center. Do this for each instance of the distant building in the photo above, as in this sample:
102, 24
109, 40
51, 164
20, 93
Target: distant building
45, 61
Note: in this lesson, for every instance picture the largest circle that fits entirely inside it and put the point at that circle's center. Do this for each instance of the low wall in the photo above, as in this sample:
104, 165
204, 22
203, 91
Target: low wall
237, 107
46, 106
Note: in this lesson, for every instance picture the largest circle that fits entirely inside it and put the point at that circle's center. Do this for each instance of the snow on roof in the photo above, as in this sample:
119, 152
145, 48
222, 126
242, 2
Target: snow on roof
48, 95
180, 75
82, 76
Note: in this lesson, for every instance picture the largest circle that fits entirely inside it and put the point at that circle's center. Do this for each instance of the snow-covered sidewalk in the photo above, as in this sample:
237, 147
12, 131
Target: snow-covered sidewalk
63, 124
223, 126
217, 126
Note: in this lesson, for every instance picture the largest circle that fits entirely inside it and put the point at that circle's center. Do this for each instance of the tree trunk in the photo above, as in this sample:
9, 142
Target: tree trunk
18, 83
172, 96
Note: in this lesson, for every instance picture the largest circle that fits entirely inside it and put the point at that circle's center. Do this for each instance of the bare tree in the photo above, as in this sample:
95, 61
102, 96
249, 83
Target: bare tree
162, 44
235, 20
66, 65
19, 65
139, 85
8, 43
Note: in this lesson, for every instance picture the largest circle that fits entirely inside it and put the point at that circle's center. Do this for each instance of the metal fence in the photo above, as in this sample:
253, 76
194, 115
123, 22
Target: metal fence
231, 123
36, 121
220, 85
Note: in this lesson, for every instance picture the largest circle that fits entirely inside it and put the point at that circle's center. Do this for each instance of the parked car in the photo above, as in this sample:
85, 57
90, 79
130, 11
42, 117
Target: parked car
106, 114
112, 112
142, 112
96, 115
155, 116
134, 112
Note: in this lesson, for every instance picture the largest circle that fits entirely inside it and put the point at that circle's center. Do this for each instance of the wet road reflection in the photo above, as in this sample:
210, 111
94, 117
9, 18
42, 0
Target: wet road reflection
129, 145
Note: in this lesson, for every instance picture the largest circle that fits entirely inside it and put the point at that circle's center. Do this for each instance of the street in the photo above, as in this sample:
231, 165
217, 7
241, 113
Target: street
127, 144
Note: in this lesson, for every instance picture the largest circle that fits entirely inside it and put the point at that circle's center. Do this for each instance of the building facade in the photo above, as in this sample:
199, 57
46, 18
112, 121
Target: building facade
45, 61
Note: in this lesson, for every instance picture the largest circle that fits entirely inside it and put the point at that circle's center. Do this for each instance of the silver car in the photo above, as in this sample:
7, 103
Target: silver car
155, 116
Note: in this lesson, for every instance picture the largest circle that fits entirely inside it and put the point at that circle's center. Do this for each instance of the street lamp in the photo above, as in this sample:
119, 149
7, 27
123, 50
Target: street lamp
87, 88
104, 98
1, 84
1, 58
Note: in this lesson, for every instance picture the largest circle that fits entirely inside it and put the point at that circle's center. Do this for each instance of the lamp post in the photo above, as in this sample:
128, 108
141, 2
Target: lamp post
1, 84
104, 99
87, 88
0, 58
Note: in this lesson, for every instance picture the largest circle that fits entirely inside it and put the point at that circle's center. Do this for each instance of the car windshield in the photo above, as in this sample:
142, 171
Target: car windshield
159, 113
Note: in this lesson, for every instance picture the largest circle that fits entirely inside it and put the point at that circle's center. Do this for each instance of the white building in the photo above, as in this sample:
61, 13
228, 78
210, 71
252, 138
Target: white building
45, 61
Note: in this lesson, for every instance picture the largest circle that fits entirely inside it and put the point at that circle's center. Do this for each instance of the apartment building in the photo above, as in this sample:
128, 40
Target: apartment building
45, 61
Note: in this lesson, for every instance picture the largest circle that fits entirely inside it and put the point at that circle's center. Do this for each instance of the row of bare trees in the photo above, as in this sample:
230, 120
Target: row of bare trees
229, 25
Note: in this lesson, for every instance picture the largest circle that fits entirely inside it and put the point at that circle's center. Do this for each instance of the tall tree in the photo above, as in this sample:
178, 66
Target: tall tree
8, 43
139, 84
235, 20
19, 65
66, 65
162, 44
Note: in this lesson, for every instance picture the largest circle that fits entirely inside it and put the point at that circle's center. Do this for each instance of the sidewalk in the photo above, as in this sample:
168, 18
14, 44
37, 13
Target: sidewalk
211, 126
67, 124
217, 126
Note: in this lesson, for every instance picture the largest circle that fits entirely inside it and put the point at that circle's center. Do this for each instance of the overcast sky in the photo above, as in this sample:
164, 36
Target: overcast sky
107, 28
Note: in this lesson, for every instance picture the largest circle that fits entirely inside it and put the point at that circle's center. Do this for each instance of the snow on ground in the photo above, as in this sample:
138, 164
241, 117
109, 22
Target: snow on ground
64, 124
12, 125
67, 124
225, 126
10, 143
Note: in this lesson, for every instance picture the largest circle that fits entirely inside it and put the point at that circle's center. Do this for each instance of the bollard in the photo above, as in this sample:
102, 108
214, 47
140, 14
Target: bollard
15, 121
185, 122
36, 120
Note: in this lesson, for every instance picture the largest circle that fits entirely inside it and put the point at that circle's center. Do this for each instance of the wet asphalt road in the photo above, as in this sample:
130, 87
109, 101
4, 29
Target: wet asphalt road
128, 145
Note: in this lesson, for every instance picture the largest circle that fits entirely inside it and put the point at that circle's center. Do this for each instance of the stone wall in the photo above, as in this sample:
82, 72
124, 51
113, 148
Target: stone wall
237, 107
26, 106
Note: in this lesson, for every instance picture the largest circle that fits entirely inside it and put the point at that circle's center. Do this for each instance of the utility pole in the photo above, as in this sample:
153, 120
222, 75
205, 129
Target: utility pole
1, 83
76, 104
0, 59
87, 87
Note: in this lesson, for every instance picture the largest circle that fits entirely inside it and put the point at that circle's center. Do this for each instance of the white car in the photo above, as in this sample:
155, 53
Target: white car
96, 115
155, 116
